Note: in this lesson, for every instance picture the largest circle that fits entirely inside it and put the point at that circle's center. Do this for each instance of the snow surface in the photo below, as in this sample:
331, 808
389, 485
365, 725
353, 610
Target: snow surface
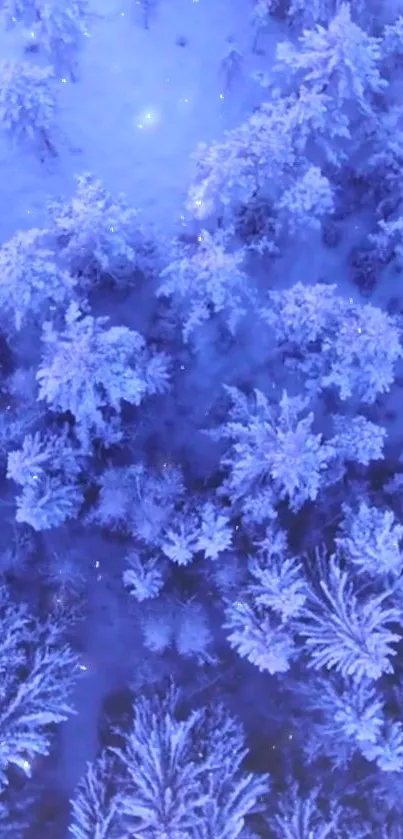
140, 106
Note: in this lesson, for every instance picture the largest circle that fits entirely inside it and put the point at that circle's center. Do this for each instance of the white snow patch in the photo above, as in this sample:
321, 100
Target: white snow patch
138, 110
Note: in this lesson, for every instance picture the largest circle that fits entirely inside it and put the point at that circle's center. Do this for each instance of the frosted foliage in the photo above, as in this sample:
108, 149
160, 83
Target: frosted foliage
48, 503
30, 280
40, 454
32, 704
144, 577
353, 712
47, 468
358, 439
98, 234
341, 58
193, 636
252, 155
278, 585
273, 443
180, 541
349, 631
302, 817
87, 368
139, 501
371, 539
362, 354
27, 103
389, 240
158, 628
259, 638
215, 534
95, 808
303, 205
393, 38
308, 117
59, 29
206, 279
335, 342
307, 15
300, 315
387, 750
177, 783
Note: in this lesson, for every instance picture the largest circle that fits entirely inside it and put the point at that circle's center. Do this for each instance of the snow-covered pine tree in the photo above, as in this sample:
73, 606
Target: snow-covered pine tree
272, 447
333, 341
349, 629
207, 279
371, 539
199, 760
99, 235
38, 672
31, 282
28, 105
96, 803
58, 31
47, 468
341, 59
89, 369
304, 204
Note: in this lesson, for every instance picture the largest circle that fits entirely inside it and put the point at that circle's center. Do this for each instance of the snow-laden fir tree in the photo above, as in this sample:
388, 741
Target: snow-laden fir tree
341, 59
304, 204
259, 636
349, 629
277, 582
89, 369
387, 749
299, 816
194, 531
333, 342
38, 673
347, 716
393, 41
99, 235
206, 279
236, 168
47, 468
28, 105
272, 447
96, 803
59, 30
388, 240
145, 576
184, 775
32, 284
306, 15
259, 620
382, 167
371, 539
357, 440
263, 156
139, 501
180, 539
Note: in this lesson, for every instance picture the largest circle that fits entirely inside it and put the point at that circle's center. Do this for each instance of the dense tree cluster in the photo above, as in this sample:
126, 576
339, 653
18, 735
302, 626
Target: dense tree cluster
233, 447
